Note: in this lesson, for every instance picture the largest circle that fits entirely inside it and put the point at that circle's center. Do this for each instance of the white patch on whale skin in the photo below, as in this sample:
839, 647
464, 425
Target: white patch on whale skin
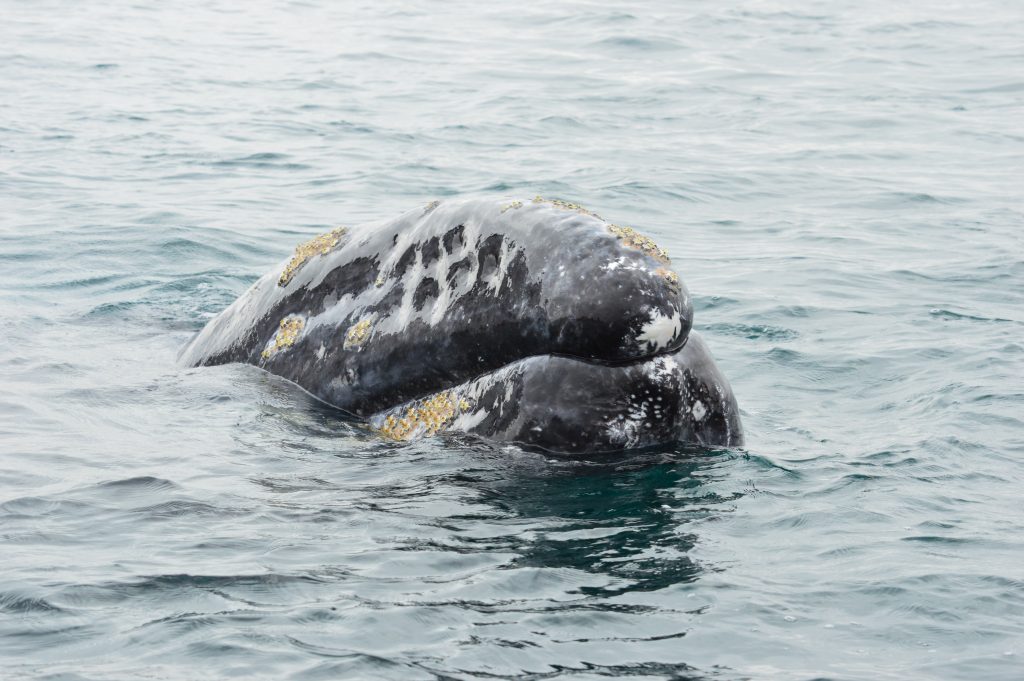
698, 410
444, 292
466, 422
660, 369
627, 264
627, 429
404, 314
493, 283
395, 244
637, 424
660, 331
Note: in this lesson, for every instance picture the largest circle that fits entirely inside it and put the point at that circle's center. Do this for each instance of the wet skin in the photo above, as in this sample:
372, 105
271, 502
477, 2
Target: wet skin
525, 321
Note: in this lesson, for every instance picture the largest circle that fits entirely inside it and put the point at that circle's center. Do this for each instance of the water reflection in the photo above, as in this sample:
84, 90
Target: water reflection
627, 516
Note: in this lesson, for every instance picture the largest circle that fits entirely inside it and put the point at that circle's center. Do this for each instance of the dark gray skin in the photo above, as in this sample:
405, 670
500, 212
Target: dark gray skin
394, 311
566, 405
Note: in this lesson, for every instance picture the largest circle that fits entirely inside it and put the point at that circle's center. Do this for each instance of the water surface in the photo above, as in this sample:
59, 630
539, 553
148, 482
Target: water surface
839, 184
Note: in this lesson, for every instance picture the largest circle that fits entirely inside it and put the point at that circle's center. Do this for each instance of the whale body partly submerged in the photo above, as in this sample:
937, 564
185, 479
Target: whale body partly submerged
533, 322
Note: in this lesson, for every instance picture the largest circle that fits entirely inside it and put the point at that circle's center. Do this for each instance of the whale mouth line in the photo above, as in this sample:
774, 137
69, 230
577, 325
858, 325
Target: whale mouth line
588, 362
585, 361
611, 363
567, 404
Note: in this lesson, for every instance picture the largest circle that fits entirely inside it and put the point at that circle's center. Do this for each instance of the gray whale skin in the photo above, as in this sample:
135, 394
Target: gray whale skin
530, 322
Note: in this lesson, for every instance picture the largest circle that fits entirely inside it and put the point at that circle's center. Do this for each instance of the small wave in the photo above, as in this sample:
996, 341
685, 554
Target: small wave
936, 539
142, 483
21, 604
639, 44
951, 315
754, 332
186, 508
262, 160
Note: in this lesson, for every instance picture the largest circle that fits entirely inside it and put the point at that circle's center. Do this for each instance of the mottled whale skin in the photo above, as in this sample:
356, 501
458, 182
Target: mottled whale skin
534, 322
562, 404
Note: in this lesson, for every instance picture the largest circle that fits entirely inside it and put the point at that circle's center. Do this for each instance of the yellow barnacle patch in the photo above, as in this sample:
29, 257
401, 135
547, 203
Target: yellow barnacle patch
668, 274
634, 239
358, 333
431, 206
320, 245
287, 333
514, 204
566, 205
427, 416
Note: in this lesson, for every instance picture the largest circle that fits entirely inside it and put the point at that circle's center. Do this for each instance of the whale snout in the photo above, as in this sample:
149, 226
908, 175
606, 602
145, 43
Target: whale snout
540, 324
627, 310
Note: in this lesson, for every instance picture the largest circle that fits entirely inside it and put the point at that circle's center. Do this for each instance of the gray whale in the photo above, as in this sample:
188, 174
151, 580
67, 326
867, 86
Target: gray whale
532, 322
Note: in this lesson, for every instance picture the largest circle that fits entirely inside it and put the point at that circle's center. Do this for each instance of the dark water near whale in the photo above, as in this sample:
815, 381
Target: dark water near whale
839, 184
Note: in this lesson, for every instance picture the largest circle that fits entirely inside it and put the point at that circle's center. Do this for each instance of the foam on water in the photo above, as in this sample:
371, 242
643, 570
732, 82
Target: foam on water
838, 184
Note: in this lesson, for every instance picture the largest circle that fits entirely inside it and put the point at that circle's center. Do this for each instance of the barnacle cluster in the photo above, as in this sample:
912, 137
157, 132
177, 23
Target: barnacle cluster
427, 416
668, 274
514, 204
431, 206
321, 245
358, 333
558, 203
634, 239
287, 333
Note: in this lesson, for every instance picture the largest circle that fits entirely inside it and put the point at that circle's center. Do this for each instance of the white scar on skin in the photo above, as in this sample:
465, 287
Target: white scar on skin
660, 331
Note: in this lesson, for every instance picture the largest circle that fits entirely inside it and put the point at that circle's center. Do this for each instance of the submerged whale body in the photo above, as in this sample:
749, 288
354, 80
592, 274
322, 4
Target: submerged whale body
533, 322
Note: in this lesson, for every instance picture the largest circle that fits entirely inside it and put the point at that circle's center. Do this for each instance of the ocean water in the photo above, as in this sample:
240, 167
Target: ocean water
839, 184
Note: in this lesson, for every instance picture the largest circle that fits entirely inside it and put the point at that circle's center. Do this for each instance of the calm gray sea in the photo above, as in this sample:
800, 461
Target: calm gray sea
839, 183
